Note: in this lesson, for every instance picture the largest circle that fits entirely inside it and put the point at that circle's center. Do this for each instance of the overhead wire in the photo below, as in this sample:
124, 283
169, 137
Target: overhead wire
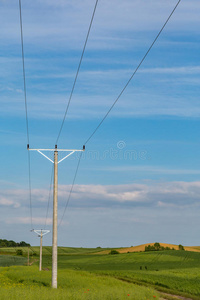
135, 71
71, 190
69, 100
26, 111
49, 197
77, 72
73, 87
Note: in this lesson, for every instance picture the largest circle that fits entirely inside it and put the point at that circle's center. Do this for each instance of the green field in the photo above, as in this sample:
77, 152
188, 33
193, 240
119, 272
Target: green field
6, 261
177, 271
86, 274
47, 250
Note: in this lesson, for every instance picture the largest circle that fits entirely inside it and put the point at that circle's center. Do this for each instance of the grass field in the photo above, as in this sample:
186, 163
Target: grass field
85, 275
29, 283
6, 261
174, 271
47, 250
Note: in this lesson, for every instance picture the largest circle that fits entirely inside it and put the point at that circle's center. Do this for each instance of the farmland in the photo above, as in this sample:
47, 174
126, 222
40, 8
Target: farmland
29, 283
91, 274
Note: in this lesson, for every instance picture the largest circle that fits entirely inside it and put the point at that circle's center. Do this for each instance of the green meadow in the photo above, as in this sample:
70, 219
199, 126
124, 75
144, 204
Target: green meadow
89, 274
29, 283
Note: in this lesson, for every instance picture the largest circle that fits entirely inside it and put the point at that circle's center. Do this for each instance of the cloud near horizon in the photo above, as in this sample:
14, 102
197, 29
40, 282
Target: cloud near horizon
149, 211
152, 193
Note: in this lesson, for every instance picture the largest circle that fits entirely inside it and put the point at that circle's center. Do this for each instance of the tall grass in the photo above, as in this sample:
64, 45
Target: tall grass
29, 283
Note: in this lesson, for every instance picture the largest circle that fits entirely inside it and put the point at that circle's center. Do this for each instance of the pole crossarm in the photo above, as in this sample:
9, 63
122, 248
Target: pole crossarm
41, 232
72, 151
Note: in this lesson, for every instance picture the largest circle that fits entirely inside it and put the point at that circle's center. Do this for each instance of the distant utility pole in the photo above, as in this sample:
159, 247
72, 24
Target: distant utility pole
55, 203
41, 233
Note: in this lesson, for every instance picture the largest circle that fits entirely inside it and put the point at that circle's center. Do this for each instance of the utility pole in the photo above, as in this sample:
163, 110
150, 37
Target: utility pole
55, 203
40, 234
40, 266
55, 222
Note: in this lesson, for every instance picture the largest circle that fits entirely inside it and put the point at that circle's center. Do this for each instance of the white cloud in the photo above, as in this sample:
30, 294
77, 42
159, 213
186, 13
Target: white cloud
67, 22
152, 169
101, 196
186, 70
7, 202
102, 215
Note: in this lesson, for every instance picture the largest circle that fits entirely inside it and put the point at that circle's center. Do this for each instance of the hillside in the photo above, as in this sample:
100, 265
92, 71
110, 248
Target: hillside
47, 250
140, 248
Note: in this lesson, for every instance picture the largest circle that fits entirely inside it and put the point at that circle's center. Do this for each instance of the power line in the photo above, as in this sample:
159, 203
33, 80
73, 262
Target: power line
77, 72
26, 110
66, 111
30, 194
24, 74
72, 186
137, 68
50, 186
116, 102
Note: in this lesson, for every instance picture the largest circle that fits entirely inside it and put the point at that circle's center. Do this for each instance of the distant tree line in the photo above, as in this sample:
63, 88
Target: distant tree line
6, 243
158, 247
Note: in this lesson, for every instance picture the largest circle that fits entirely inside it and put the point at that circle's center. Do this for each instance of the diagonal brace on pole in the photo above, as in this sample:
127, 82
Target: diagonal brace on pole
66, 156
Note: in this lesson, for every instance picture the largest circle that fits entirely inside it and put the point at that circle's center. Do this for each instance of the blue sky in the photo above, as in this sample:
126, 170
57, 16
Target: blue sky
138, 180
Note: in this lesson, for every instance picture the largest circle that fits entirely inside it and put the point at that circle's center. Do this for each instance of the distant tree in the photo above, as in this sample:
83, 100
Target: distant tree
149, 248
11, 243
157, 246
114, 251
180, 247
19, 252
24, 244
3, 244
